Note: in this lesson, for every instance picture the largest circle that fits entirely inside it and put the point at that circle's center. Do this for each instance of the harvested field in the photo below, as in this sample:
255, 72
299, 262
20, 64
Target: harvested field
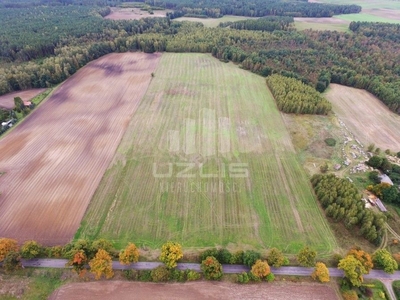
7, 101
214, 22
384, 13
133, 14
366, 117
53, 161
195, 290
321, 24
207, 161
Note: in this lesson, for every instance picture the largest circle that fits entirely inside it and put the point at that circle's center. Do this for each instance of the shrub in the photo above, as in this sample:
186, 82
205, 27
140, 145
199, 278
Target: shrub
224, 256
260, 269
243, 278
12, 261
130, 274
192, 275
237, 258
211, 268
330, 142
160, 274
56, 251
250, 257
129, 255
275, 258
31, 249
6, 246
171, 252
144, 275
350, 295
209, 252
270, 277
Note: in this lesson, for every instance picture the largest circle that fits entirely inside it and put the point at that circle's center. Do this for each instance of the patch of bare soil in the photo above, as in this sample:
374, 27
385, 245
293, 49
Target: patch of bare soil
322, 20
133, 14
121, 290
7, 100
13, 288
384, 13
366, 117
54, 160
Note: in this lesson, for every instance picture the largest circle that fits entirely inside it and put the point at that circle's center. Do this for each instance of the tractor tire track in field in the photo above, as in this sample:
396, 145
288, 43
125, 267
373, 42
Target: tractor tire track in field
55, 159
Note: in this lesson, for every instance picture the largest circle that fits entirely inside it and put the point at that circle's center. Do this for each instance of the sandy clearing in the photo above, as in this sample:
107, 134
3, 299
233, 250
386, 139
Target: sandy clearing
133, 14
365, 116
322, 20
7, 100
55, 159
194, 290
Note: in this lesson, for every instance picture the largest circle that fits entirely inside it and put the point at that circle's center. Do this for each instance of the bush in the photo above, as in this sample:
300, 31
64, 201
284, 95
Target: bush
144, 275
209, 252
211, 268
350, 295
56, 251
160, 274
275, 258
130, 274
243, 278
237, 258
270, 277
31, 249
12, 261
250, 257
192, 275
330, 142
177, 275
224, 256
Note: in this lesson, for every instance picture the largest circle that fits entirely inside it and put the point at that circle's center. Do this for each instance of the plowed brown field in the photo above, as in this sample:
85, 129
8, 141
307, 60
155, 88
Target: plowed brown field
7, 101
52, 163
120, 290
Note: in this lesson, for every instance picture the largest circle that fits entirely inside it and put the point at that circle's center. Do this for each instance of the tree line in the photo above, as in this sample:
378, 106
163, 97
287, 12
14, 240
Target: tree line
256, 8
342, 203
293, 96
317, 58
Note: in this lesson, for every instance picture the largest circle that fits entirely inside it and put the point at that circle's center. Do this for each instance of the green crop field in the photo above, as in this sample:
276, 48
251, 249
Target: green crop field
362, 17
207, 161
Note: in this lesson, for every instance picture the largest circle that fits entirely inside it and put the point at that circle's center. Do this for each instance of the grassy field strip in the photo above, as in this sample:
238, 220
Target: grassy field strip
363, 17
201, 111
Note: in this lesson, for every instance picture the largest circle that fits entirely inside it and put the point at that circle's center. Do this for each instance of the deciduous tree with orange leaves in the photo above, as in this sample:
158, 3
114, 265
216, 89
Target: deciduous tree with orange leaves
260, 269
129, 255
78, 261
171, 252
6, 246
321, 272
101, 264
362, 256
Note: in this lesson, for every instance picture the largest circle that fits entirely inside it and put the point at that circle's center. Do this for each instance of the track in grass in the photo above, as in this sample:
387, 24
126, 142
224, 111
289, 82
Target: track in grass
244, 184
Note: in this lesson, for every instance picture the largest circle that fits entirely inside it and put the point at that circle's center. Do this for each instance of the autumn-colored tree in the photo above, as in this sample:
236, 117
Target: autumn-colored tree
321, 272
350, 295
129, 255
306, 257
396, 257
171, 252
31, 249
363, 257
101, 264
78, 261
353, 269
260, 269
383, 259
7, 245
12, 261
211, 268
275, 258
160, 274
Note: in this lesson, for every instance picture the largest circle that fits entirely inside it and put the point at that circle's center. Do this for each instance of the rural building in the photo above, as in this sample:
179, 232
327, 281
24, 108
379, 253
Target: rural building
380, 205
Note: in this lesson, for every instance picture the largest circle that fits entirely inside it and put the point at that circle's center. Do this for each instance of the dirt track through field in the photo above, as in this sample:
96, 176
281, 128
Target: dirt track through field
53, 162
7, 101
194, 290
366, 117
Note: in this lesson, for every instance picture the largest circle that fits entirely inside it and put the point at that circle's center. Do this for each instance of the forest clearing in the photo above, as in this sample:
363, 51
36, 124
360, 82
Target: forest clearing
365, 116
207, 152
7, 101
52, 162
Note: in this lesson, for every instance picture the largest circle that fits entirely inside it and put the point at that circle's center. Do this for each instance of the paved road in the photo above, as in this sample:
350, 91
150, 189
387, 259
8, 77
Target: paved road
232, 269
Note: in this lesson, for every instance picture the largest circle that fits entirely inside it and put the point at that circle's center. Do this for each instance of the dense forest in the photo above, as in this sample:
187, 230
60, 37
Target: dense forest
256, 8
342, 203
293, 96
367, 57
